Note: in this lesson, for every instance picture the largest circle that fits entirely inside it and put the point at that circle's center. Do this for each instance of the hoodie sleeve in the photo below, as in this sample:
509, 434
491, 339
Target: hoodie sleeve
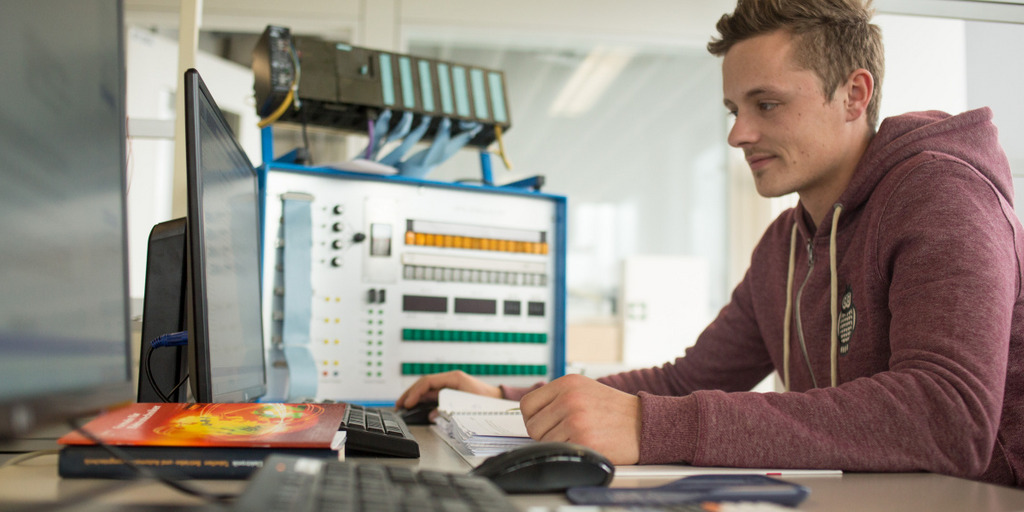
946, 261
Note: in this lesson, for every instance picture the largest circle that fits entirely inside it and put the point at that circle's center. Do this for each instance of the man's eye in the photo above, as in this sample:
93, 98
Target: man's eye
767, 106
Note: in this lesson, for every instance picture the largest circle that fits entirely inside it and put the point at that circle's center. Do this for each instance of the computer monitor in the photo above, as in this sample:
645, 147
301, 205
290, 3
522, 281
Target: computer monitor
225, 326
64, 328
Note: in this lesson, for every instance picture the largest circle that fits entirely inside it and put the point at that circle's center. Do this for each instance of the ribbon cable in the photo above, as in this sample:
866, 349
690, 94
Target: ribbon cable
297, 228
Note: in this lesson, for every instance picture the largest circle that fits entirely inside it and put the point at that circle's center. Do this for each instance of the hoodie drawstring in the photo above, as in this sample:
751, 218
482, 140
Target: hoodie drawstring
789, 309
834, 301
834, 280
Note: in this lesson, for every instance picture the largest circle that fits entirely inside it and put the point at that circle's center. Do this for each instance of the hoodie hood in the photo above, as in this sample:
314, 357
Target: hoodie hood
970, 137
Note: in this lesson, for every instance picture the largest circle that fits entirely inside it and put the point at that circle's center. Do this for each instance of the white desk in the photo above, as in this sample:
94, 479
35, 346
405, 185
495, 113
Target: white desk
35, 482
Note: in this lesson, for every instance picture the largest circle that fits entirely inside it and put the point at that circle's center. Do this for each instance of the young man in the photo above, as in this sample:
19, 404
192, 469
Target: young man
889, 300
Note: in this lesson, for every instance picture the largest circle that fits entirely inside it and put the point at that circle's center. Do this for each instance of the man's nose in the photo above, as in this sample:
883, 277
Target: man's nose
742, 133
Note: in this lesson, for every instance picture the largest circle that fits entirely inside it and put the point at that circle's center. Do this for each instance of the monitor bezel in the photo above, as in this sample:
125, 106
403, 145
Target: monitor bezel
200, 370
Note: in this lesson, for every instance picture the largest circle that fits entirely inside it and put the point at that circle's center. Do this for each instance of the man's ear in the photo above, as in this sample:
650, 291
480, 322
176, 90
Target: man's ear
859, 89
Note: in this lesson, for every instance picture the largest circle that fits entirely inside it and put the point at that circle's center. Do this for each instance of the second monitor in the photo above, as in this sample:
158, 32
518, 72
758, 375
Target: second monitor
226, 362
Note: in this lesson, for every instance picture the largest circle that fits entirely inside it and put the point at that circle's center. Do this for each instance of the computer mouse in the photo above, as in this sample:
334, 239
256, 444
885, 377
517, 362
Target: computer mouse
418, 414
546, 467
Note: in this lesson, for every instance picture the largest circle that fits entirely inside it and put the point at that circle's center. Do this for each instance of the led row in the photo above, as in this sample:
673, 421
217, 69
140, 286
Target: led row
474, 369
480, 244
473, 336
459, 275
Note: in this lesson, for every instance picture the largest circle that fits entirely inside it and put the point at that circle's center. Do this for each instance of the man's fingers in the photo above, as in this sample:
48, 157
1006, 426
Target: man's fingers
426, 388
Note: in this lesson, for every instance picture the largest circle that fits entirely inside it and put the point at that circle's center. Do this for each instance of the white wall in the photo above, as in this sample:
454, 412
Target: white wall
925, 64
995, 71
152, 80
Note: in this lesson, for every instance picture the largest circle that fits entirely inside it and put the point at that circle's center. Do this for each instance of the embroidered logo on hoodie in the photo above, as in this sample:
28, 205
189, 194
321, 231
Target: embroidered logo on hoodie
847, 320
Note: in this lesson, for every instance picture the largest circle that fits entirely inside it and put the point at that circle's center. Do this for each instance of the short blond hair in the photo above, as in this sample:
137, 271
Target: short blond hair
832, 38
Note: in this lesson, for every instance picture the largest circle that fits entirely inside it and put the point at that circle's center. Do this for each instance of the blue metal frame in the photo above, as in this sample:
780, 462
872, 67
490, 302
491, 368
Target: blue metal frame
529, 187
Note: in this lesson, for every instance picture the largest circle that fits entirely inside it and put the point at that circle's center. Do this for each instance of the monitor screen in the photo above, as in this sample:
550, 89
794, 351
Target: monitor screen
223, 257
64, 331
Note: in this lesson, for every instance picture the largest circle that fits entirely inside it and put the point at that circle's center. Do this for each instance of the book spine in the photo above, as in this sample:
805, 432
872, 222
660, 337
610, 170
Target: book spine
175, 463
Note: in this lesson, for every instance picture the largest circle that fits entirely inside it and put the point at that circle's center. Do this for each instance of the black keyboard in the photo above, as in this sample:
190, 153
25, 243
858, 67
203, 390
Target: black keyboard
377, 431
304, 484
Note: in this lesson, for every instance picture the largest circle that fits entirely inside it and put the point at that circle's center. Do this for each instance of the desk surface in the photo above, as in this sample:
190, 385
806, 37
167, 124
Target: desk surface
35, 481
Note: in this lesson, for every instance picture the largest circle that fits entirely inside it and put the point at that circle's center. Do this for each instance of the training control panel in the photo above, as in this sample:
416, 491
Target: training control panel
371, 282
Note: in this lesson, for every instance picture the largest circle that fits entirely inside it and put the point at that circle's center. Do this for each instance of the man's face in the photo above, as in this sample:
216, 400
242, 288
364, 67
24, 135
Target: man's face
791, 134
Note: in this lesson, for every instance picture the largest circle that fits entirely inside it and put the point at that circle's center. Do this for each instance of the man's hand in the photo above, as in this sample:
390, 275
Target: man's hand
583, 411
425, 389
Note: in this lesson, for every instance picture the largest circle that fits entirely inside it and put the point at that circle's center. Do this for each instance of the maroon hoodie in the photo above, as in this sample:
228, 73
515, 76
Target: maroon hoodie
928, 322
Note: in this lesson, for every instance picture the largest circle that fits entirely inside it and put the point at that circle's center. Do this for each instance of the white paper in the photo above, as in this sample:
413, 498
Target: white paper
451, 400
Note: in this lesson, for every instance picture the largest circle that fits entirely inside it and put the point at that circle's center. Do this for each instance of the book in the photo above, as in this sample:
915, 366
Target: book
479, 426
181, 440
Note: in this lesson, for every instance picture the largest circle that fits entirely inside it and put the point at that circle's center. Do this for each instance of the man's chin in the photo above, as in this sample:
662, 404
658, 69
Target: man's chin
770, 190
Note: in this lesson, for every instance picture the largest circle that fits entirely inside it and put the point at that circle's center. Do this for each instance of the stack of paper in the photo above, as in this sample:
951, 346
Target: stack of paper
480, 426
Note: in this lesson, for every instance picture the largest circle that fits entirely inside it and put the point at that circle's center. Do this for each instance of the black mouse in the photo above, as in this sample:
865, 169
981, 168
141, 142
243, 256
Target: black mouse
546, 467
418, 414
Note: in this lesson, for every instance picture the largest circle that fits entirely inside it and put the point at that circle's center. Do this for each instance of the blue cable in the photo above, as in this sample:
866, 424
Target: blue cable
174, 339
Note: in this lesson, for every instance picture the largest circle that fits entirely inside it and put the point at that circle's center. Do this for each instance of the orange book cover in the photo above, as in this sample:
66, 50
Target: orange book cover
241, 425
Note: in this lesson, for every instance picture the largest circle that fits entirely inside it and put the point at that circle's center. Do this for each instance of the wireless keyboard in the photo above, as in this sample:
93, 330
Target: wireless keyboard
377, 431
304, 484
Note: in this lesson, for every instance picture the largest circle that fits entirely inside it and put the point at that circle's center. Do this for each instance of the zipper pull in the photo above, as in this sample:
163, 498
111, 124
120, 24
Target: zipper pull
810, 253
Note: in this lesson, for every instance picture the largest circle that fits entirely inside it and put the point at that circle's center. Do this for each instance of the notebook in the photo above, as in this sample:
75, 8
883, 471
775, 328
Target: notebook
479, 426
